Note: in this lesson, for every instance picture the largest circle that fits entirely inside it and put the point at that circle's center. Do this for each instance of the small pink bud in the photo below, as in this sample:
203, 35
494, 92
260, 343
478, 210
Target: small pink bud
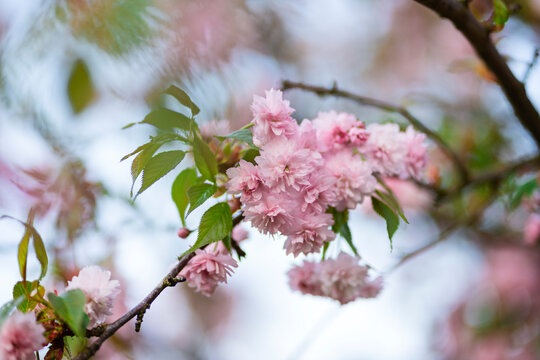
183, 233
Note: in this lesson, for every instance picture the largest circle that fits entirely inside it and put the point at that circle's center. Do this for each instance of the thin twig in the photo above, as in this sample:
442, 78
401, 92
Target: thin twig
531, 65
480, 40
444, 234
110, 329
385, 106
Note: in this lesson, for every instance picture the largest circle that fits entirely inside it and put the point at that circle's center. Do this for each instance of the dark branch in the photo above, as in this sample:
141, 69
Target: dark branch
480, 39
169, 280
383, 105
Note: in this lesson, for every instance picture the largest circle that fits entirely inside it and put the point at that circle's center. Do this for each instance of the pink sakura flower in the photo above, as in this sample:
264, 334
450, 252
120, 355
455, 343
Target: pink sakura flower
20, 336
532, 229
304, 278
358, 135
99, 290
344, 280
271, 214
272, 118
208, 268
310, 234
245, 179
333, 129
386, 149
239, 233
283, 163
215, 128
354, 179
416, 158
320, 191
307, 135
341, 279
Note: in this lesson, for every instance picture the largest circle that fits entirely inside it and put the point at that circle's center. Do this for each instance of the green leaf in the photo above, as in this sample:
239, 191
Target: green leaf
74, 345
227, 241
41, 253
198, 194
160, 139
326, 245
244, 135
70, 307
205, 159
8, 308
341, 227
23, 290
392, 220
525, 189
80, 88
159, 166
183, 98
186, 179
216, 224
390, 200
251, 154
166, 119
500, 12
140, 162
23, 251
345, 231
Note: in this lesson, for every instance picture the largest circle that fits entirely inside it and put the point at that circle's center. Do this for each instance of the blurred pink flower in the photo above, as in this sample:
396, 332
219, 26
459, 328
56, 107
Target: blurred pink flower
416, 158
532, 229
20, 336
206, 269
100, 292
215, 128
239, 233
303, 278
386, 149
342, 279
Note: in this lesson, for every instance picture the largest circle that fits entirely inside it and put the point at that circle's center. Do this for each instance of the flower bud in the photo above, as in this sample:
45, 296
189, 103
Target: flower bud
183, 233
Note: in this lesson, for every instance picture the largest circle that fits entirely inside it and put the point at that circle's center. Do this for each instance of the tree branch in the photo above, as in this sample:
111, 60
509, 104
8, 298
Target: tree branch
385, 106
110, 329
480, 39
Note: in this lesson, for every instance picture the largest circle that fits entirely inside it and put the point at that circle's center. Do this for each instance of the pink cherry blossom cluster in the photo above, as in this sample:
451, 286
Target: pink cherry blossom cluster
100, 292
304, 169
20, 336
342, 279
209, 267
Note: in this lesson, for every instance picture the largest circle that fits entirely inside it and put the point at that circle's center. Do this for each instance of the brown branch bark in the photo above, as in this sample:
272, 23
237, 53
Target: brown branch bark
389, 107
110, 329
479, 38
103, 332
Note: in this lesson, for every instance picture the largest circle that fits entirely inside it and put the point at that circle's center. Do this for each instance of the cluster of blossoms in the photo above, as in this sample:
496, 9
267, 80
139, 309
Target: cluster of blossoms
304, 169
21, 334
303, 174
341, 279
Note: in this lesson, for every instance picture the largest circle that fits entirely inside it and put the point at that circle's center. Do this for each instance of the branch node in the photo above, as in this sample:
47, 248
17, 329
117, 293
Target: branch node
140, 316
